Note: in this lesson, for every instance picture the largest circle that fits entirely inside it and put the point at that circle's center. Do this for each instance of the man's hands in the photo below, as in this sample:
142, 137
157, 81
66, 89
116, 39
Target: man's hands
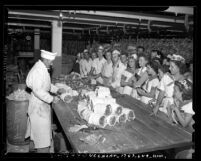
55, 99
61, 91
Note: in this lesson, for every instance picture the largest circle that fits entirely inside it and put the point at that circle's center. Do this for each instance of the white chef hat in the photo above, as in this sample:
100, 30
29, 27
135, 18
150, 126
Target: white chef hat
116, 52
48, 55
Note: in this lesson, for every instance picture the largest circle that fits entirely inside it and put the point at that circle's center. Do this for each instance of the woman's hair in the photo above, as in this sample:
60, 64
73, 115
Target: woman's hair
144, 56
164, 68
180, 65
154, 65
185, 86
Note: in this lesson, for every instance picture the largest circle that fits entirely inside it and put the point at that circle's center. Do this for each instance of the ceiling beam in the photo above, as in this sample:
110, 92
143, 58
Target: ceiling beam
180, 9
135, 15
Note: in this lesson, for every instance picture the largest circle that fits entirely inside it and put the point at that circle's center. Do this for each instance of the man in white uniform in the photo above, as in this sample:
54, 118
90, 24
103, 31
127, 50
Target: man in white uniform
39, 112
118, 69
87, 63
100, 62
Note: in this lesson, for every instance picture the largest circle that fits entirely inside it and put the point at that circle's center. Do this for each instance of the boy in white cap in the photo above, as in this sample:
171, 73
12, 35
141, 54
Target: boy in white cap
132, 51
118, 69
87, 63
39, 112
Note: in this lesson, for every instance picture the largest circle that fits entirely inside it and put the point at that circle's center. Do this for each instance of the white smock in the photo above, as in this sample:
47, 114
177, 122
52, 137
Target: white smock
39, 112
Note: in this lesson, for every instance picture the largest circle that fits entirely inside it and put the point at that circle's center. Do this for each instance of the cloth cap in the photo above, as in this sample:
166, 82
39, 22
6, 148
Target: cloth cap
100, 48
48, 55
177, 57
116, 52
86, 51
131, 48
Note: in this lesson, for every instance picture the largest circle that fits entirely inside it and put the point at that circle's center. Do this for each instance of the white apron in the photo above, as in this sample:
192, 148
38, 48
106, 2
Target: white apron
39, 112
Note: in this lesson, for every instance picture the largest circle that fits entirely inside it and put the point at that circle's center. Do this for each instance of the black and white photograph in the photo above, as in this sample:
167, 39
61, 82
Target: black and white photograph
99, 82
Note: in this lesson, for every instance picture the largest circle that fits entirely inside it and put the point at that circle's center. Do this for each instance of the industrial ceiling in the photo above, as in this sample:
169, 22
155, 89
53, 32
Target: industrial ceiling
172, 19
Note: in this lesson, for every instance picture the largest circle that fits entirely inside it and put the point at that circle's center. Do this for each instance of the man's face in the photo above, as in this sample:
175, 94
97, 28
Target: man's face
93, 56
153, 54
108, 55
142, 62
131, 62
115, 58
86, 55
48, 63
100, 52
140, 50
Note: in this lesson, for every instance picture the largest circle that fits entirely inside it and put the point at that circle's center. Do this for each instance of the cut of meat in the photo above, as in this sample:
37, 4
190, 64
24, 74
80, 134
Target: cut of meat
86, 114
116, 108
97, 100
102, 109
122, 118
130, 115
98, 120
102, 92
111, 120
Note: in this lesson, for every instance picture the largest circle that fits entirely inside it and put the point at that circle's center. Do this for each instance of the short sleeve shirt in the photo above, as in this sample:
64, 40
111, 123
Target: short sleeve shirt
167, 85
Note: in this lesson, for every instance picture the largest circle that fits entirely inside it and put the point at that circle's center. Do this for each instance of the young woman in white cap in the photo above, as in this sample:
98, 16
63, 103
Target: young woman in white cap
39, 112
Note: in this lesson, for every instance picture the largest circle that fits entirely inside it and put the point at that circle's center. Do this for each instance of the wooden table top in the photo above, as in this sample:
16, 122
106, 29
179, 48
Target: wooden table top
143, 134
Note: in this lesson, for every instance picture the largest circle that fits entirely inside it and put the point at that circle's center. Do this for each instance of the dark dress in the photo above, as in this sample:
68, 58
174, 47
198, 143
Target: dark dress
76, 67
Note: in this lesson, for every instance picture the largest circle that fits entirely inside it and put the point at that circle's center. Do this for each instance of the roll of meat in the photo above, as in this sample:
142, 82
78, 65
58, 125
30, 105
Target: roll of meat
102, 92
85, 114
97, 100
116, 108
130, 115
111, 120
81, 107
102, 109
121, 118
96, 119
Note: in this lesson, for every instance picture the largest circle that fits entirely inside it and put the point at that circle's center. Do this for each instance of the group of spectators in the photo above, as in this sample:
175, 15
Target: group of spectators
164, 82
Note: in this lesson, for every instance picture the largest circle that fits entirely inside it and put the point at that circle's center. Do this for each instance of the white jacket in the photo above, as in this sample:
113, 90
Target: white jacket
39, 122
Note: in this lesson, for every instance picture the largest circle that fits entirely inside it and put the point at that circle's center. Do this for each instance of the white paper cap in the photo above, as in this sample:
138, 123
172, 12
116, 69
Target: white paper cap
48, 55
116, 52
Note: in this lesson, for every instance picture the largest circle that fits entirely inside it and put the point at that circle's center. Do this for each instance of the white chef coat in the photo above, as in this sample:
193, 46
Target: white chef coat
118, 70
87, 64
39, 112
167, 85
98, 65
107, 71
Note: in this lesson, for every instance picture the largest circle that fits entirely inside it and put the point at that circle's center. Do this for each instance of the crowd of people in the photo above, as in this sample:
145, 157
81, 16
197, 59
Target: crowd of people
162, 81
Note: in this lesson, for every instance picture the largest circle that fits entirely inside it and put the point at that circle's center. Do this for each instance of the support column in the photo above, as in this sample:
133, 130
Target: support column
36, 44
57, 47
